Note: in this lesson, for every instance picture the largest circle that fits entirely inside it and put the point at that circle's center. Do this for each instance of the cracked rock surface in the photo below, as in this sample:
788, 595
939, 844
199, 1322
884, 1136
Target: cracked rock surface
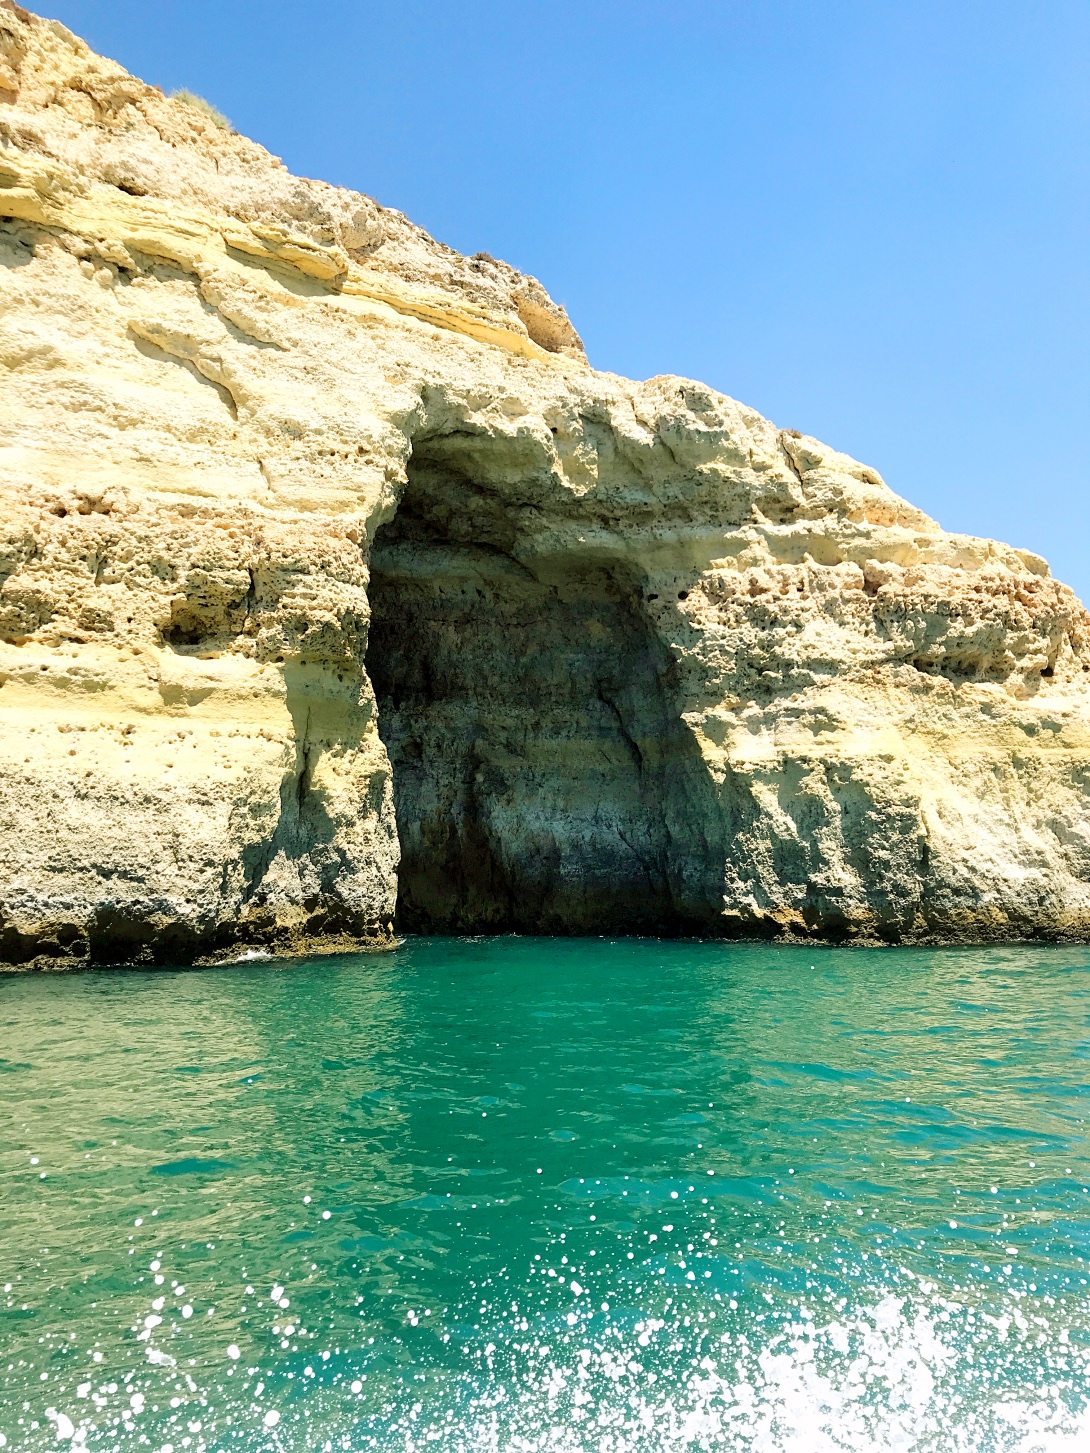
336, 589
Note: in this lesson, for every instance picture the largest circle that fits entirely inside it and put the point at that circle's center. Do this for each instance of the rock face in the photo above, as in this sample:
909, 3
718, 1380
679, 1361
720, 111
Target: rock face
335, 585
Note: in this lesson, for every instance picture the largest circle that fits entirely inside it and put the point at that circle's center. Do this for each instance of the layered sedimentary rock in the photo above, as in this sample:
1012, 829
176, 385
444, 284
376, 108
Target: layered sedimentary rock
336, 590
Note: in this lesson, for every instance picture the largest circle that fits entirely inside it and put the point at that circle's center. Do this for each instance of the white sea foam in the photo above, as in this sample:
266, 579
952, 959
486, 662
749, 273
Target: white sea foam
909, 1367
889, 1378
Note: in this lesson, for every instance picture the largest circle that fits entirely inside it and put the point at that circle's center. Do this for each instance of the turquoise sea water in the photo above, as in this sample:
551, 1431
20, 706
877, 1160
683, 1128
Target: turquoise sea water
520, 1194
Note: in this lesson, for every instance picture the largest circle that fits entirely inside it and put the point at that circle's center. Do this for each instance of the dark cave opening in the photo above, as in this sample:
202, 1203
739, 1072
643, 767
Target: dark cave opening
542, 782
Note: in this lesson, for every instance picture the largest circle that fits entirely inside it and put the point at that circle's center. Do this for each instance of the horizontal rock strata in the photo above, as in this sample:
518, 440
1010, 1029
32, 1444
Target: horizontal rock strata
336, 589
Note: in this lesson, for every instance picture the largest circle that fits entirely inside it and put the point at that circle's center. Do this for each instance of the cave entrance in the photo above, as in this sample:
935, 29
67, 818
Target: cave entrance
542, 783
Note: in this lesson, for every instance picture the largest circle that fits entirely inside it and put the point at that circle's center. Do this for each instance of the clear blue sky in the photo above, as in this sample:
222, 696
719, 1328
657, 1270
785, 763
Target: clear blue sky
869, 220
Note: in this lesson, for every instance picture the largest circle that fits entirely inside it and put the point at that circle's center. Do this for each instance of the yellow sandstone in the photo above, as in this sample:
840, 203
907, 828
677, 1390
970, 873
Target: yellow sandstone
334, 582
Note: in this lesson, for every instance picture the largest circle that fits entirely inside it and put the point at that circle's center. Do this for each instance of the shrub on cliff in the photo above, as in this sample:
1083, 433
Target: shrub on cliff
190, 98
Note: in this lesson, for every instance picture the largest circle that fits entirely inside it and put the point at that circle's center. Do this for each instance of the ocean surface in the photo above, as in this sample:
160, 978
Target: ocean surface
517, 1194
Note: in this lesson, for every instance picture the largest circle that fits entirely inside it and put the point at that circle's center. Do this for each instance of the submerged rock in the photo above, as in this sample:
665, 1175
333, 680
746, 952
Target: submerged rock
335, 584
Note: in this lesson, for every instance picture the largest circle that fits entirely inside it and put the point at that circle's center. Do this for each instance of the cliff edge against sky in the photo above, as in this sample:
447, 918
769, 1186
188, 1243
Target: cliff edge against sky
335, 584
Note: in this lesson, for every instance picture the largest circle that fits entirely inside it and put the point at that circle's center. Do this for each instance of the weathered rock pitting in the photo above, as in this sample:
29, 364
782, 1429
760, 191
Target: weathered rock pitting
271, 457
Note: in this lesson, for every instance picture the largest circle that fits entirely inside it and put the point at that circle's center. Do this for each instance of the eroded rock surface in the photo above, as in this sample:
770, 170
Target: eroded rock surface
323, 550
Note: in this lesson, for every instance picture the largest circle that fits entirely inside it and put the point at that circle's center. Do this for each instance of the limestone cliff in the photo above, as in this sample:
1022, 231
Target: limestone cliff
334, 584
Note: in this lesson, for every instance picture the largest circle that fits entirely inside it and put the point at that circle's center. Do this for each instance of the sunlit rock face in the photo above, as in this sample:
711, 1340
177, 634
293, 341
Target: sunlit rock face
339, 594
